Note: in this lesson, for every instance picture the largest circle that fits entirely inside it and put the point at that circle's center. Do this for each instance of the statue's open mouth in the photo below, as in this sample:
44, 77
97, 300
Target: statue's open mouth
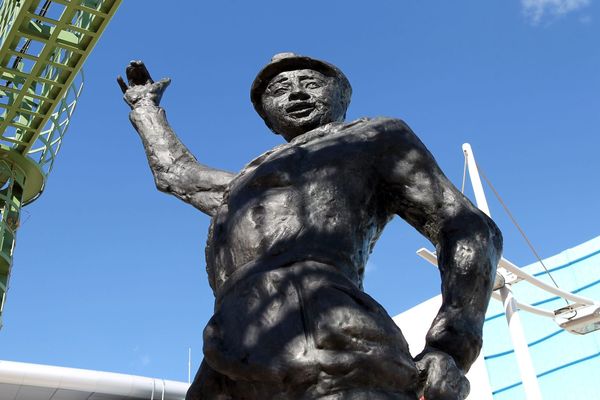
299, 110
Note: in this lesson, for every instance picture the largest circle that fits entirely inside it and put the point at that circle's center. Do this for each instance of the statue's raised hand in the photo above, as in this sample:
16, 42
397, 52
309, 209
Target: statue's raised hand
141, 90
440, 378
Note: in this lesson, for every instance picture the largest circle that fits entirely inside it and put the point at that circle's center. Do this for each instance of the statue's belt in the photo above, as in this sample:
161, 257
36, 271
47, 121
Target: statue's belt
271, 264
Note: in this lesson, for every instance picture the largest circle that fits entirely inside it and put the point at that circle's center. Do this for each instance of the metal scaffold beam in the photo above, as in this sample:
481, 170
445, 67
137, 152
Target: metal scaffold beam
43, 45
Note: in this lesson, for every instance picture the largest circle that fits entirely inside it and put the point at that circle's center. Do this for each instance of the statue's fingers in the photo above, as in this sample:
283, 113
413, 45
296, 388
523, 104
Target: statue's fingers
122, 84
137, 73
164, 82
145, 73
465, 387
131, 73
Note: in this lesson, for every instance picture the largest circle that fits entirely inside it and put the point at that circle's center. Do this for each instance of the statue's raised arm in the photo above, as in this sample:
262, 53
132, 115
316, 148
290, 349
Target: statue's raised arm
176, 171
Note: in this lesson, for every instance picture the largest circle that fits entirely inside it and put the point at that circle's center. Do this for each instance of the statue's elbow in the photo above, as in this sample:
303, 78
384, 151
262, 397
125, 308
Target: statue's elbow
494, 235
486, 239
479, 234
162, 184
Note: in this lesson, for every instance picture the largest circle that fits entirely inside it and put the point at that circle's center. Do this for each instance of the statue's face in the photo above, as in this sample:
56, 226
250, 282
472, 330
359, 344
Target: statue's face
296, 102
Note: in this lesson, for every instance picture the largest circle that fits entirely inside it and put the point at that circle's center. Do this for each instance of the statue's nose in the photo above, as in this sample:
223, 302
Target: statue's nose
299, 95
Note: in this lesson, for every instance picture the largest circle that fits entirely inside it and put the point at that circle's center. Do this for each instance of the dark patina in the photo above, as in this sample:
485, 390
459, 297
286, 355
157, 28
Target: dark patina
291, 234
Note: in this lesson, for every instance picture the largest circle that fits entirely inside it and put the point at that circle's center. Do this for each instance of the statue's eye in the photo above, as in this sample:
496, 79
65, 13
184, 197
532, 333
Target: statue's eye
313, 85
278, 91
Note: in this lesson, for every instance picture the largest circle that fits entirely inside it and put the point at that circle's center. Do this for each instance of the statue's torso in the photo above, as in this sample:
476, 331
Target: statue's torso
318, 197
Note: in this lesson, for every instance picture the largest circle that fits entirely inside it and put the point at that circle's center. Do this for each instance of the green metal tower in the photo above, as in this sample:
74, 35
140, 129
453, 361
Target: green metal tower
44, 44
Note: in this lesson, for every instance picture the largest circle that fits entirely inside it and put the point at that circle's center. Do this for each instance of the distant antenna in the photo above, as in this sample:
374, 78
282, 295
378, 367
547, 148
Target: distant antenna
189, 365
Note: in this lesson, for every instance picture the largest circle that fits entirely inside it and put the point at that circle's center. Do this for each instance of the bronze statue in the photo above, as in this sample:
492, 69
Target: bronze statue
290, 237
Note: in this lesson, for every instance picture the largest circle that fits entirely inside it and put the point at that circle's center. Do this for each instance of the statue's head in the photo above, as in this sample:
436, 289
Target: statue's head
295, 94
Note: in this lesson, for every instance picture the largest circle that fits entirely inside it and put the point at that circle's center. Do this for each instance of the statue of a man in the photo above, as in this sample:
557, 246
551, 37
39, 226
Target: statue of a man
291, 234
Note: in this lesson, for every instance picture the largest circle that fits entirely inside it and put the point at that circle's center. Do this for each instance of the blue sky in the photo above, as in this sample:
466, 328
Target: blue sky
109, 273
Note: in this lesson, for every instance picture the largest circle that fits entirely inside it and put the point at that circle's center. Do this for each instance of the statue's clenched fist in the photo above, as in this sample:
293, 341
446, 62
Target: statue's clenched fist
440, 378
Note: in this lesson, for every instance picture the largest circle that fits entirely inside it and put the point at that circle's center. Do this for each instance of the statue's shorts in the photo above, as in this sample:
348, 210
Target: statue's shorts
302, 331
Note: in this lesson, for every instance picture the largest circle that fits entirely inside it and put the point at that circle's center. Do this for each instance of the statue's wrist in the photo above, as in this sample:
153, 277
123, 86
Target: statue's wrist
145, 105
457, 336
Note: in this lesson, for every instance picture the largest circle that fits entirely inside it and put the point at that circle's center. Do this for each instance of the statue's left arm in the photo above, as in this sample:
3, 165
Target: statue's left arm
468, 245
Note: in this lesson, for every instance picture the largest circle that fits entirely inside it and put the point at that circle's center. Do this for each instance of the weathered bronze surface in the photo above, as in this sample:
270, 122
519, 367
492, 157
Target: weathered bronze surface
291, 234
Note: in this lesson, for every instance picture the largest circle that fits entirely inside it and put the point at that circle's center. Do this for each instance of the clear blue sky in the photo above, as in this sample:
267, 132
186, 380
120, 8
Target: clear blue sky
109, 273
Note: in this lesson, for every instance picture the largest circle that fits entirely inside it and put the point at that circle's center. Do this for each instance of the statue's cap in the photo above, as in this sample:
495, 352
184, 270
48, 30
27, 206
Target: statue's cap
282, 62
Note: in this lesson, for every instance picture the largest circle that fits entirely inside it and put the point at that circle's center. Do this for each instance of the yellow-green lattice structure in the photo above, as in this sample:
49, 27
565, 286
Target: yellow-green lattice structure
43, 47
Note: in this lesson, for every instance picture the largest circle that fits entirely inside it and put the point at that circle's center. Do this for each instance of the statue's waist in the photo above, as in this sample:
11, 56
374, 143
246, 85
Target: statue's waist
281, 261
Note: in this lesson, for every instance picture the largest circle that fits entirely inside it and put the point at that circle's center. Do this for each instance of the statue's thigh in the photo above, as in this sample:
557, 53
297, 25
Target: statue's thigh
309, 326
258, 331
346, 318
357, 344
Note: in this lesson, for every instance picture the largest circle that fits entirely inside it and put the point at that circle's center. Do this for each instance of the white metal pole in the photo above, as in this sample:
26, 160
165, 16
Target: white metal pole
528, 375
480, 199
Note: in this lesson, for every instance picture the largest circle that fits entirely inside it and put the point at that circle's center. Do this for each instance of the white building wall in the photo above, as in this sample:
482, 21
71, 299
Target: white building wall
414, 324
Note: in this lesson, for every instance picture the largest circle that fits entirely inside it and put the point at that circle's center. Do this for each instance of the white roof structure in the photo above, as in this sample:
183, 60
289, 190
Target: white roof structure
22, 381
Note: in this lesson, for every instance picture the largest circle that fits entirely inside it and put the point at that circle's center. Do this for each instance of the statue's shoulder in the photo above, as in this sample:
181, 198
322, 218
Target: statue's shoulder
388, 124
381, 128
378, 124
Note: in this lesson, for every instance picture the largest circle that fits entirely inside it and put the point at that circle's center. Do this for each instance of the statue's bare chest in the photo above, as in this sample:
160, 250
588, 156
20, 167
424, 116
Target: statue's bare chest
305, 195
307, 174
